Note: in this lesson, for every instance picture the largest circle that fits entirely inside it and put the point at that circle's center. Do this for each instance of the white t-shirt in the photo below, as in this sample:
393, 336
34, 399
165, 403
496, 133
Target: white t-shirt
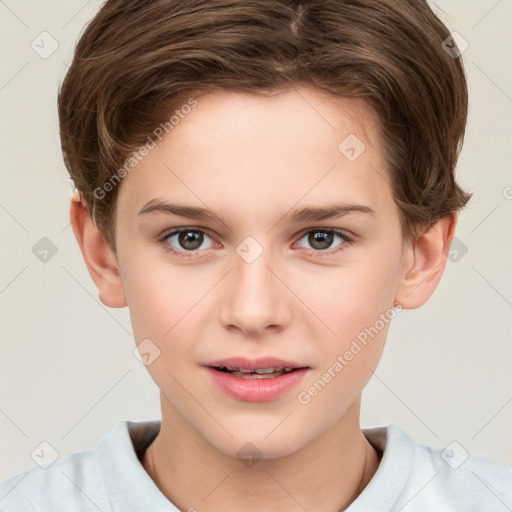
110, 478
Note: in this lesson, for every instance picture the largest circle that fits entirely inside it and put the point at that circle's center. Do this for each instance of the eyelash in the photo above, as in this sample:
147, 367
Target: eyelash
317, 253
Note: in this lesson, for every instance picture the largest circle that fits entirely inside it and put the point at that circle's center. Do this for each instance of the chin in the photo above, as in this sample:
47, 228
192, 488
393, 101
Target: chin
263, 441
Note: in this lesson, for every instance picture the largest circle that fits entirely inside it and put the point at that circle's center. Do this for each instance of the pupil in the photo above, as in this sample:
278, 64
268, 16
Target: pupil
190, 239
323, 238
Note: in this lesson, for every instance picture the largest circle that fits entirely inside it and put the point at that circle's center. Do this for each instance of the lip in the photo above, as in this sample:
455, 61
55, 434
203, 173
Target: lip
253, 364
256, 389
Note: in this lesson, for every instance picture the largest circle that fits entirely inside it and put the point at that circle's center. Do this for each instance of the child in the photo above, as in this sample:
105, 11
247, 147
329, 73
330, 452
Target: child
310, 146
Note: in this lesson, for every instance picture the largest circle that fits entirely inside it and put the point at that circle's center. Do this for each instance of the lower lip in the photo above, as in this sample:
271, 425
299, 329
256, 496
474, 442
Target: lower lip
256, 389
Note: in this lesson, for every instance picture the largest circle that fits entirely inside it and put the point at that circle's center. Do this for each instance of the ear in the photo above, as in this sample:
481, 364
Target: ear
424, 263
101, 261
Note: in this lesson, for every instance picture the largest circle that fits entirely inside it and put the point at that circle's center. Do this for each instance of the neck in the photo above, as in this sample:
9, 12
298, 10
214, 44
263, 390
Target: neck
327, 474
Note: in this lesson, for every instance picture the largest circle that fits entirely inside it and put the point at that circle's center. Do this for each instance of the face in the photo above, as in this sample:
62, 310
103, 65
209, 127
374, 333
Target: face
255, 285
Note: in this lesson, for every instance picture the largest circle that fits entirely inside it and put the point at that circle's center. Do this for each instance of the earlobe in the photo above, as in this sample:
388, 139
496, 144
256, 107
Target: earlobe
98, 256
424, 263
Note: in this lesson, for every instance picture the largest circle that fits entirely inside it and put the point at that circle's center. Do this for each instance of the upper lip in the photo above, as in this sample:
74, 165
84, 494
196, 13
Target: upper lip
254, 364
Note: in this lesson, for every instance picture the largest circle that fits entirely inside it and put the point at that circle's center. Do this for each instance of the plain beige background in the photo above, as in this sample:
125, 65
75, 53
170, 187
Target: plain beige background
67, 369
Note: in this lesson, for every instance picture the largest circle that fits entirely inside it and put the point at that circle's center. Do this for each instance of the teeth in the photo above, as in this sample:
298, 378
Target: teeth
257, 370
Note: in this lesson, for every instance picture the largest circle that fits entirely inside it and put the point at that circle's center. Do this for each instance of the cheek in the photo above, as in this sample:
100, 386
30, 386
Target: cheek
166, 306
148, 303
349, 299
162, 314
158, 297
339, 381
355, 304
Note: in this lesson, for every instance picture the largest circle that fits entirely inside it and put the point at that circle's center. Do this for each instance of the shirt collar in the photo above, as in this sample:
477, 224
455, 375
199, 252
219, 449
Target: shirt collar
119, 454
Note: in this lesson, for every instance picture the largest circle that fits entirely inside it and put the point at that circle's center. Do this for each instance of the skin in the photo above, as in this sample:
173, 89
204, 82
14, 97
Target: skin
252, 159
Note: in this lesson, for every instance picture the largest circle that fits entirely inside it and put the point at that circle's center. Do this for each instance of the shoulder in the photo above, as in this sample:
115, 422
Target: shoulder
453, 475
107, 477
75, 482
448, 478
75, 479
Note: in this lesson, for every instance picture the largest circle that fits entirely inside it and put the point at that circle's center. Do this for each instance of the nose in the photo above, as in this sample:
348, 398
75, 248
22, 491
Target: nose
255, 299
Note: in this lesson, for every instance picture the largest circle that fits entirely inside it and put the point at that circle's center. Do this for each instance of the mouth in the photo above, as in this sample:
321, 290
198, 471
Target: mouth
258, 373
256, 380
259, 368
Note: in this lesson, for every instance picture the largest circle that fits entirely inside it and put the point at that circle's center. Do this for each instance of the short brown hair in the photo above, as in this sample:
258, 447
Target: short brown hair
136, 61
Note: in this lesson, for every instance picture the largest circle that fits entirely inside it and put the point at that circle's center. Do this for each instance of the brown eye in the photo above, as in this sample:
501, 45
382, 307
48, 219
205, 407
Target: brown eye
321, 241
190, 240
186, 240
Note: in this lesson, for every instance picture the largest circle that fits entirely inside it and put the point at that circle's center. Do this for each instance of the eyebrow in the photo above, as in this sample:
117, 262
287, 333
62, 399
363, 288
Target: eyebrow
304, 214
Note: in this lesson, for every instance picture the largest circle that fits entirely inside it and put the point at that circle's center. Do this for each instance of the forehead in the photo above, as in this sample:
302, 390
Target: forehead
249, 151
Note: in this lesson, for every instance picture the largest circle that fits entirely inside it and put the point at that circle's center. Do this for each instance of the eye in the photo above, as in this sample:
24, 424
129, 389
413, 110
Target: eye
185, 240
321, 241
